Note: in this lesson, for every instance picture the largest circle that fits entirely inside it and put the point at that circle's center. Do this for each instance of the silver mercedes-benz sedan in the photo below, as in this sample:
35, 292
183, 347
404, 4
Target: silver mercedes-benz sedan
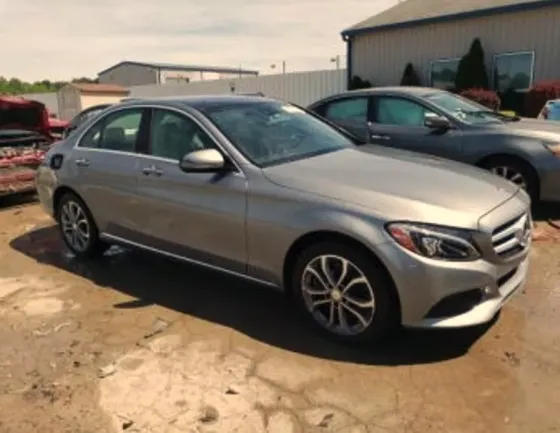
364, 238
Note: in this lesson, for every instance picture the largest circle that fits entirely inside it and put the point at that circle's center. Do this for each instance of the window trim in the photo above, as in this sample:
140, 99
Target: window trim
427, 107
509, 54
450, 59
102, 121
148, 107
325, 106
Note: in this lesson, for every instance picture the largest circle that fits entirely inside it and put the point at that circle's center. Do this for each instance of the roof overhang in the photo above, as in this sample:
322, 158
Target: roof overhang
520, 7
182, 68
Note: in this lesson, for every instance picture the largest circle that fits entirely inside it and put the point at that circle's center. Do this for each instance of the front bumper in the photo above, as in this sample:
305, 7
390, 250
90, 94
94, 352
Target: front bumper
446, 294
423, 284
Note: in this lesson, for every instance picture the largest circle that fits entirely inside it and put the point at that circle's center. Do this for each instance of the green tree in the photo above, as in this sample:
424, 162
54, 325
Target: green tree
15, 86
410, 77
471, 73
358, 83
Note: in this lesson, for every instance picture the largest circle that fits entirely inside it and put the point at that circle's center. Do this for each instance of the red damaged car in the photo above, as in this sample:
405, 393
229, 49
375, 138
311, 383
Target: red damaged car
25, 136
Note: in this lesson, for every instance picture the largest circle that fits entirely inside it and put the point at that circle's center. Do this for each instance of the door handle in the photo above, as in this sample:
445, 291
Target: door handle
380, 137
82, 162
152, 169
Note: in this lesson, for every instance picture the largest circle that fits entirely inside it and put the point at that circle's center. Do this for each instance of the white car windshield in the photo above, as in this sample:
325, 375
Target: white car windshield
463, 109
273, 132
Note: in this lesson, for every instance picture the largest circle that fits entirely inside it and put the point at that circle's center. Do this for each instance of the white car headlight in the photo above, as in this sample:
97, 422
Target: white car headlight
434, 242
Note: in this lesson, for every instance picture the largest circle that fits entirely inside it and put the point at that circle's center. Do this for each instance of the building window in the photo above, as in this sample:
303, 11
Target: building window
443, 73
513, 71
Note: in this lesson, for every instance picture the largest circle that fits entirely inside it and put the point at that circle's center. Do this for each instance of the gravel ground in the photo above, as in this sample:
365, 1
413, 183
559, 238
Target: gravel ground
137, 343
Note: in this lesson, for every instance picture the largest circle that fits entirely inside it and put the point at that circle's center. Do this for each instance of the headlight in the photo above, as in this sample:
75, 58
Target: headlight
434, 242
553, 147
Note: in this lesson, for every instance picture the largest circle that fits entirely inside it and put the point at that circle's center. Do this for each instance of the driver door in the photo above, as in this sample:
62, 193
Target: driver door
400, 122
200, 216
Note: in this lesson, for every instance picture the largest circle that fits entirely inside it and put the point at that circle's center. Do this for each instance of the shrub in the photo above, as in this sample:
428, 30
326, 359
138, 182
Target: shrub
488, 98
357, 83
410, 77
471, 72
537, 96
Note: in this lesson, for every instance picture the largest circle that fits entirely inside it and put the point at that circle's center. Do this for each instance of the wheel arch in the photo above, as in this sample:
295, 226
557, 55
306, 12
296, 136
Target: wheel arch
485, 162
320, 236
59, 193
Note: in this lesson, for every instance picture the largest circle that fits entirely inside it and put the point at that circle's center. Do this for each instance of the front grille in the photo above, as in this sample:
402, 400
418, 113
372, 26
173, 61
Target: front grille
512, 237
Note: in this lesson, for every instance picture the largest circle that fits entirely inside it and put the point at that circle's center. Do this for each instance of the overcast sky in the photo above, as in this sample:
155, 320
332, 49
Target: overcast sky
61, 39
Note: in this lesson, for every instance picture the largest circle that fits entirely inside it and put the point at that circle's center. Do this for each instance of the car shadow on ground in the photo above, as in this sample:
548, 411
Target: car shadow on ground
14, 201
258, 312
546, 211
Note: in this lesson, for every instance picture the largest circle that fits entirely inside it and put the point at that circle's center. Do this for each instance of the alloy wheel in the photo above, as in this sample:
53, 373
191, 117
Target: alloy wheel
338, 295
75, 226
510, 174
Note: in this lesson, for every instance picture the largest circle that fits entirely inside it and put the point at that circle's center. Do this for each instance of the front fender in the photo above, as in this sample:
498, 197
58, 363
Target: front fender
270, 241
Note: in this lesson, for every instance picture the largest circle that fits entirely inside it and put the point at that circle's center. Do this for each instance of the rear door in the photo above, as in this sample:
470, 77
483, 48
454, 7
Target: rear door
399, 122
351, 113
196, 215
105, 164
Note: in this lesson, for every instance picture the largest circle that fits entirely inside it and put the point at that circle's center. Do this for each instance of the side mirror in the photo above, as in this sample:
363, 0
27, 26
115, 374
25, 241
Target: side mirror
200, 161
67, 131
433, 121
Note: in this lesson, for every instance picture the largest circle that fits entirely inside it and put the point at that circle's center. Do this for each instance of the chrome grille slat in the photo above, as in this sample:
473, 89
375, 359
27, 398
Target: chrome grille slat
504, 233
510, 237
508, 245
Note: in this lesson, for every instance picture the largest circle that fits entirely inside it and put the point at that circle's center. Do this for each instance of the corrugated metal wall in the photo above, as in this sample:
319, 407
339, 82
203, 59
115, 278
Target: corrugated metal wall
300, 87
129, 75
49, 99
381, 57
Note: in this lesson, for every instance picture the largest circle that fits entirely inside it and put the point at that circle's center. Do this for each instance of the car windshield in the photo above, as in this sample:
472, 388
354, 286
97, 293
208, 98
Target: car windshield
463, 109
273, 132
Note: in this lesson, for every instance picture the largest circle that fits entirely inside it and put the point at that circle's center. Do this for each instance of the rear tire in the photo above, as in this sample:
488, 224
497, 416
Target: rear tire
78, 229
344, 293
518, 172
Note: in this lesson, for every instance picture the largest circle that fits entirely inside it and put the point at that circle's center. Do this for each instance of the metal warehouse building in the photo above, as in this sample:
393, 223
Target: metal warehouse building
129, 73
521, 40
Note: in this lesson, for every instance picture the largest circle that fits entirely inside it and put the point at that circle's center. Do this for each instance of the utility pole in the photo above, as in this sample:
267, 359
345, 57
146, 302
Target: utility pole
273, 66
336, 60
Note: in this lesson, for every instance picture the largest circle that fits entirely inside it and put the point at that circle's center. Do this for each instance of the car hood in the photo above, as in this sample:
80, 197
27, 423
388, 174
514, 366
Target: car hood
23, 115
536, 128
398, 185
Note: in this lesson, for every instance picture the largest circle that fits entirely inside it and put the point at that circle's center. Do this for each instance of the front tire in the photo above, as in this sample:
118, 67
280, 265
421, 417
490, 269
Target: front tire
78, 229
345, 293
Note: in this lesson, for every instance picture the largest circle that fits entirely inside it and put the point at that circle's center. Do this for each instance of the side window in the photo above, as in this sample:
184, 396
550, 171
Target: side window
118, 131
173, 135
401, 112
354, 109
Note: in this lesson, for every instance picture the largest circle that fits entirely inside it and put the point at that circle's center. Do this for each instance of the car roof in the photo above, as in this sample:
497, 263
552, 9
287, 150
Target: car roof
387, 90
200, 102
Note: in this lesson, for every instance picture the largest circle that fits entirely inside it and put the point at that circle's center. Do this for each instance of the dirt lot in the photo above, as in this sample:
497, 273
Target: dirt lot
137, 343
